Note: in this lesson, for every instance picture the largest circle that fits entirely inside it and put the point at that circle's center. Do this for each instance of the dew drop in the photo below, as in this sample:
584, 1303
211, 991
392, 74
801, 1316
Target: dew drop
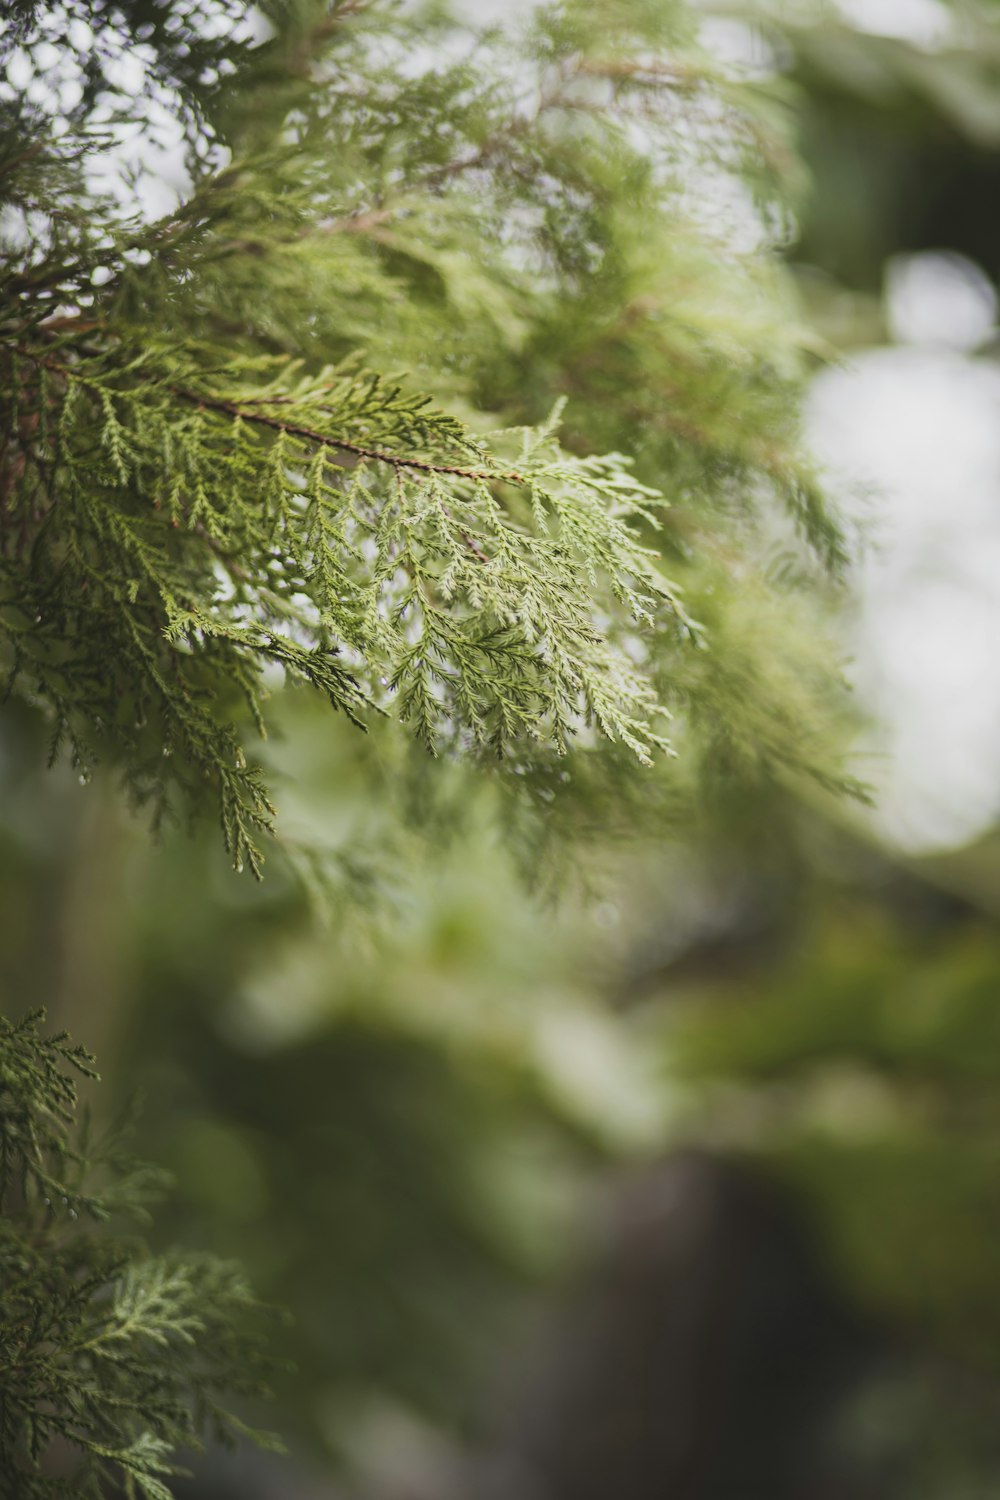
167, 751
241, 760
238, 867
83, 778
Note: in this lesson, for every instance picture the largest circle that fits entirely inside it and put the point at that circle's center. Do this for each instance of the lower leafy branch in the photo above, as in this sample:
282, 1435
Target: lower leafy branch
113, 1360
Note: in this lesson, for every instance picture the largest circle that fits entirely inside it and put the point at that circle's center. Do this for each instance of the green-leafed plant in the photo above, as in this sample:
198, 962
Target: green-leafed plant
210, 473
111, 1359
458, 382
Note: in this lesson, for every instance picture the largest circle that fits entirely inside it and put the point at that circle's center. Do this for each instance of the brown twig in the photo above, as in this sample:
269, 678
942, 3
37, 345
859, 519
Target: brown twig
296, 429
376, 455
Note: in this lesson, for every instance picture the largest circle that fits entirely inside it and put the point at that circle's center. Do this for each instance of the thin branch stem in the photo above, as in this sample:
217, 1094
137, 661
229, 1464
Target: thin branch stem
376, 455
296, 429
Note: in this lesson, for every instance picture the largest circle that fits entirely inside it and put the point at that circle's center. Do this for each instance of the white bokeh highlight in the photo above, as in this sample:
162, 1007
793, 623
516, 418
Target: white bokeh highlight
939, 299
925, 23
912, 436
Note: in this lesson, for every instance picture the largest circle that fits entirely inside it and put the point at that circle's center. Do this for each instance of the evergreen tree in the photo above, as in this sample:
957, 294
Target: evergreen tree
210, 472
454, 387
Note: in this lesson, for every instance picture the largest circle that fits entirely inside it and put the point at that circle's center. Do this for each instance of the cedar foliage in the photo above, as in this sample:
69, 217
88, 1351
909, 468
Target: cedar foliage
210, 472
111, 1359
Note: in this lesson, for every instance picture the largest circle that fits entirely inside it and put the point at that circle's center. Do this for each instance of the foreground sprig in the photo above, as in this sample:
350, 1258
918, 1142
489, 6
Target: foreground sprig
173, 530
111, 1359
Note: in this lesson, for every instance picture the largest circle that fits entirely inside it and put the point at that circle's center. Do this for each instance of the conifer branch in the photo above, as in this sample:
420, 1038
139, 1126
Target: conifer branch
179, 516
244, 412
112, 1360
